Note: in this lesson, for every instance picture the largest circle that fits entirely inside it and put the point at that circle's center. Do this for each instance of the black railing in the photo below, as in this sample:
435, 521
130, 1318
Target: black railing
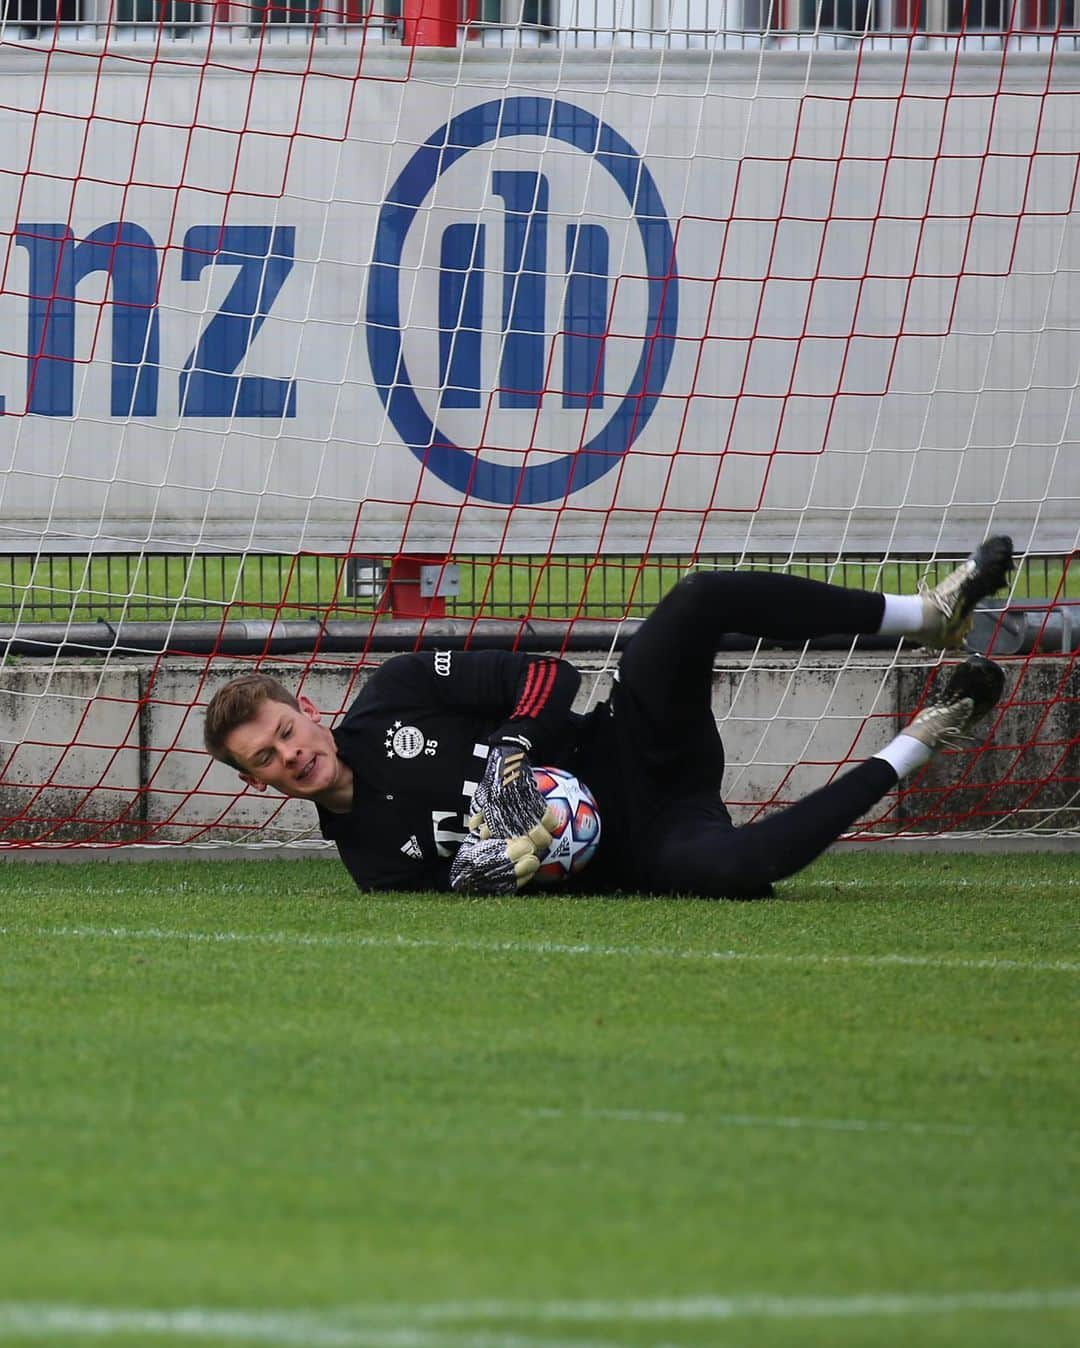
172, 587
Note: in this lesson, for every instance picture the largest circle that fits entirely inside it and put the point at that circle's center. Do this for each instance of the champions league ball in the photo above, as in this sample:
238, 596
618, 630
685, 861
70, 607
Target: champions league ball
576, 833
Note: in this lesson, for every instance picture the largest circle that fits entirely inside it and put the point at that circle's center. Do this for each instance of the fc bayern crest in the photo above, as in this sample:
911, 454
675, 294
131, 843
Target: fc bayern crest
406, 741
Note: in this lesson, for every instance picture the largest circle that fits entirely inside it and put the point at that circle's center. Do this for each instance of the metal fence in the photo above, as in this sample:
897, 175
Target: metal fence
715, 25
167, 587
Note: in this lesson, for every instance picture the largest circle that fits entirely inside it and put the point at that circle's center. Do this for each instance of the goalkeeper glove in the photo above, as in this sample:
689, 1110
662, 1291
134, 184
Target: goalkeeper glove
493, 866
508, 802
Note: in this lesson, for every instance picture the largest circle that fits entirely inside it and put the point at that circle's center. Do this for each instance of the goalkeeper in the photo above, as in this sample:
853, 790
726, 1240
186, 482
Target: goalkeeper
425, 782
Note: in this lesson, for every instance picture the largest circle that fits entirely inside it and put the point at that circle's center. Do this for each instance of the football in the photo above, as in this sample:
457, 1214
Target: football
577, 831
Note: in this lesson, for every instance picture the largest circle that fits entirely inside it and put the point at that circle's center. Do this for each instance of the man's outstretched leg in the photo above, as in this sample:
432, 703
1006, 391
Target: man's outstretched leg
659, 755
696, 857
665, 675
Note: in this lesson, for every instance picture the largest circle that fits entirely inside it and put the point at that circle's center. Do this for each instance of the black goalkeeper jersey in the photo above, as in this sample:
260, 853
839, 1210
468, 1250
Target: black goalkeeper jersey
417, 738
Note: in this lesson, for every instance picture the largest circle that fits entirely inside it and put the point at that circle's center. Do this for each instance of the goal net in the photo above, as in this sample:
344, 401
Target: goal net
319, 341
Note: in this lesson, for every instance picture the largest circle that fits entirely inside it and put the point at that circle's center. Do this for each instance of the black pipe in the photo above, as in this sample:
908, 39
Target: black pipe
1026, 627
300, 636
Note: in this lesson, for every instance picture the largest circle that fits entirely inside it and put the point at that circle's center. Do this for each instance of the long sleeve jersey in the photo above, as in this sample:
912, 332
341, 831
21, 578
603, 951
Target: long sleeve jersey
417, 738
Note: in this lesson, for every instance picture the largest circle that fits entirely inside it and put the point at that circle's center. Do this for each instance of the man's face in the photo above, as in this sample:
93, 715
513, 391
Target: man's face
287, 749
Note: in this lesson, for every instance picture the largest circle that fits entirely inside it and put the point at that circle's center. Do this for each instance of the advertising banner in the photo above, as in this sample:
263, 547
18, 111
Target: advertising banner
529, 302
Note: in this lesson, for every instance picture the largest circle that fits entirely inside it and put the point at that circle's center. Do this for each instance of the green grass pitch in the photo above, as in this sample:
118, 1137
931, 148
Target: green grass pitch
241, 1105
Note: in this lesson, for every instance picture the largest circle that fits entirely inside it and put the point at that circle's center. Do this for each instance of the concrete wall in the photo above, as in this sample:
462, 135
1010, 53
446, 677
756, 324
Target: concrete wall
70, 744
1028, 776
113, 754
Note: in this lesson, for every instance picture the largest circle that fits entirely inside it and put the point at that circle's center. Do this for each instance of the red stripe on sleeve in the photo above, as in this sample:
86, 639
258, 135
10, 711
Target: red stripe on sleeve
544, 684
521, 710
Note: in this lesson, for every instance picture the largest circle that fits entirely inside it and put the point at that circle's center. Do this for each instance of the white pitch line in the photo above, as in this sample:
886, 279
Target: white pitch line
940, 882
784, 1121
709, 1309
397, 942
302, 1329
18, 1320
619, 1115
398, 1325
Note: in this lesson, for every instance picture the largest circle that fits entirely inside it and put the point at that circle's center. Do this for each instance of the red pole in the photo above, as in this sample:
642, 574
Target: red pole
430, 23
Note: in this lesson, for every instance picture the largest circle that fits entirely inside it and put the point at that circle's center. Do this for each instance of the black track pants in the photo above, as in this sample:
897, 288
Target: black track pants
657, 760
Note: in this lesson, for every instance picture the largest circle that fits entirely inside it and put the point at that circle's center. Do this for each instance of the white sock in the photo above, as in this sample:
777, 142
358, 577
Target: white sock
903, 616
905, 755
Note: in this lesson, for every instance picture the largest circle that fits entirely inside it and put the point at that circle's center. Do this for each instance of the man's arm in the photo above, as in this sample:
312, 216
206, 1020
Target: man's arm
481, 866
544, 692
523, 697
534, 695
526, 699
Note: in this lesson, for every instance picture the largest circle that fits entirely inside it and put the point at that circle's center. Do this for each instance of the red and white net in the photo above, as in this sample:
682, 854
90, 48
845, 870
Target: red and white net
315, 342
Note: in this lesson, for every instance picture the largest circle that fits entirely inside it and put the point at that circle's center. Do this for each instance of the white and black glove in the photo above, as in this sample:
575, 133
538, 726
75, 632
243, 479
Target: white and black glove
507, 802
493, 866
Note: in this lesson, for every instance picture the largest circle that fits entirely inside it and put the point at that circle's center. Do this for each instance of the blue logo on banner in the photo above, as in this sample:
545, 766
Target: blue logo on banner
523, 359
